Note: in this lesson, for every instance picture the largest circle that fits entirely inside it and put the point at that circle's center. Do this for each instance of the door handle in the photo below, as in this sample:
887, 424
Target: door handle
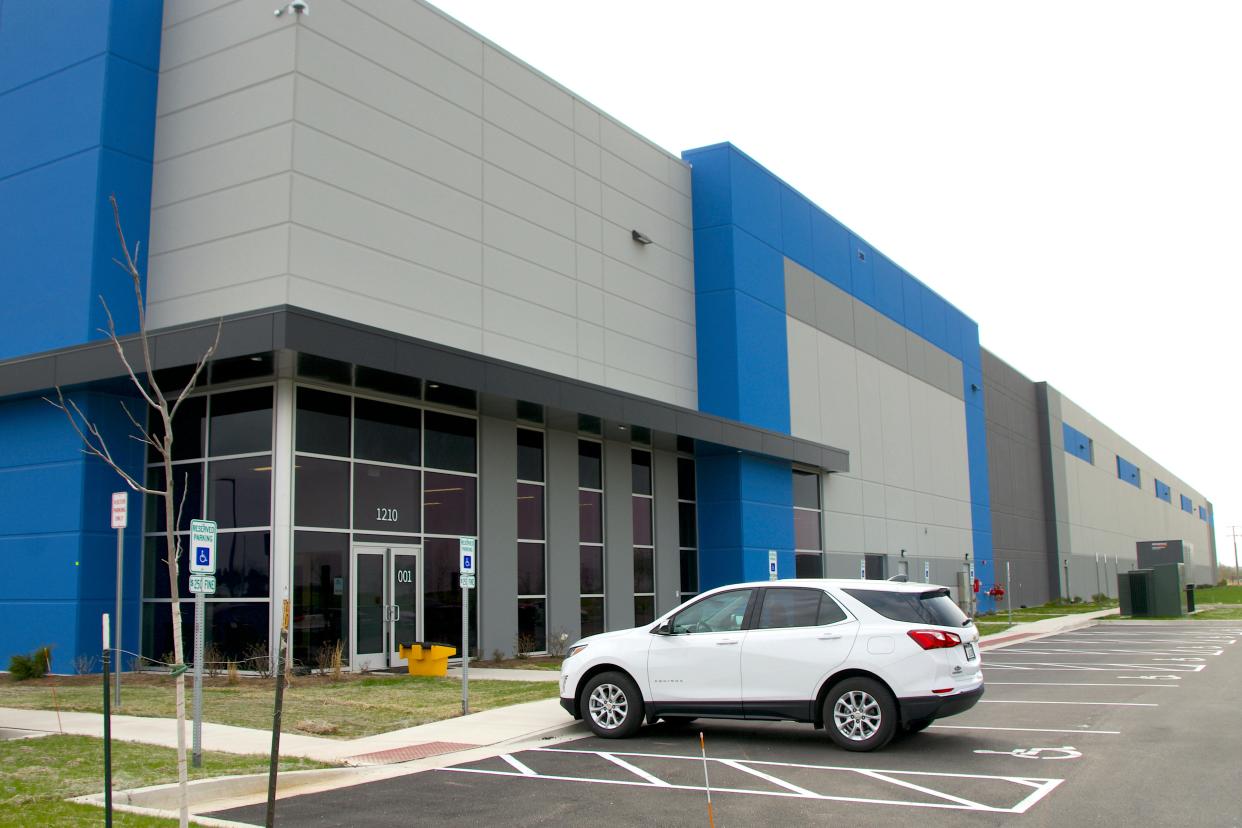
829, 636
396, 612
726, 642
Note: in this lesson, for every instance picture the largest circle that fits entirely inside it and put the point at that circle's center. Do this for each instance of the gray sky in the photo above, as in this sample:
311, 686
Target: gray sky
1069, 174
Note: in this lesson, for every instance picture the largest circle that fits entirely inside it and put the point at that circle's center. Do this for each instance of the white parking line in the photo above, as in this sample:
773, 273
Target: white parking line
1042, 787
639, 772
1026, 729
1101, 704
1069, 684
1058, 666
522, 769
1176, 651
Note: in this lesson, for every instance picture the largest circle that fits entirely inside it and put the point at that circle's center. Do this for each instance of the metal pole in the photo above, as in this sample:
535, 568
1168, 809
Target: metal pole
120, 576
107, 726
465, 651
281, 644
1098, 586
198, 680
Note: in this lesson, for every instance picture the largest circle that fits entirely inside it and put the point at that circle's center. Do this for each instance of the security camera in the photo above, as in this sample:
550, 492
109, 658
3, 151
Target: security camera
297, 7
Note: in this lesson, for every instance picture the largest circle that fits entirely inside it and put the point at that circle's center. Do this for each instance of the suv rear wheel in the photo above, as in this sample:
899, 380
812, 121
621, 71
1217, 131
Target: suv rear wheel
612, 705
860, 714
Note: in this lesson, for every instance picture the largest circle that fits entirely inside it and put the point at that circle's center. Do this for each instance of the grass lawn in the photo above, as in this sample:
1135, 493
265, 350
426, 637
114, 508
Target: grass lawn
1219, 595
36, 775
1219, 614
349, 708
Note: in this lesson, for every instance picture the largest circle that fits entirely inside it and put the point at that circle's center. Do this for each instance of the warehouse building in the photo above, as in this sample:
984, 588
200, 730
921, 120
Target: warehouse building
456, 300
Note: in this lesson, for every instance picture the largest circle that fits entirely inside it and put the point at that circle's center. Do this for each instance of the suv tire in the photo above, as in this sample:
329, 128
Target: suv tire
612, 705
860, 714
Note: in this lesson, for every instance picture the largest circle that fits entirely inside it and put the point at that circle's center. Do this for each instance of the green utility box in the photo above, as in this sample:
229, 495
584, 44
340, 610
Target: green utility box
1169, 593
1135, 588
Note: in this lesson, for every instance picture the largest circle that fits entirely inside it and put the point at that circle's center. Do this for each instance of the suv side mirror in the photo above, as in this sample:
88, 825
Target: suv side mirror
665, 628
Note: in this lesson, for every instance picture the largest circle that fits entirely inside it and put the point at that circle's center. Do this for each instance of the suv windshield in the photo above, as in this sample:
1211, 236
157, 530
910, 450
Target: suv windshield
931, 607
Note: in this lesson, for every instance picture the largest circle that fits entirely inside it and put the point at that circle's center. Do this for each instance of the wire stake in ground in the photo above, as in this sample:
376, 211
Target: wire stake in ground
711, 819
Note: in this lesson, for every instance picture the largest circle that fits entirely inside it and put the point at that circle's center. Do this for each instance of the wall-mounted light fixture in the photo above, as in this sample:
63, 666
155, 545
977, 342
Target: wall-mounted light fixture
974, 387
641, 238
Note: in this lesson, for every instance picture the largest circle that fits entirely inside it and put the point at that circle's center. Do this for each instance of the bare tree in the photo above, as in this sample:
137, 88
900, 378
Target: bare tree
160, 439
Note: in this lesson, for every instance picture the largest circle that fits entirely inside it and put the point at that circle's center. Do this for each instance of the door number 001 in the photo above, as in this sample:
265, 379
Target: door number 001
405, 576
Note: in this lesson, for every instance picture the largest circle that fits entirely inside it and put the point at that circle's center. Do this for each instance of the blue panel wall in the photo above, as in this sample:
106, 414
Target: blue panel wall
80, 79
56, 545
1129, 472
745, 508
77, 101
746, 221
1077, 443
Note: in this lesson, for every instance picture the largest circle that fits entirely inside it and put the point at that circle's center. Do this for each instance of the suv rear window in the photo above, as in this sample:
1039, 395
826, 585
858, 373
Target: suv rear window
931, 607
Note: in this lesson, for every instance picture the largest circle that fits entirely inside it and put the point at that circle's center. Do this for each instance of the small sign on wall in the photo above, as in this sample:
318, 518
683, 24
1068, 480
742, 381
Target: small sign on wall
927, 572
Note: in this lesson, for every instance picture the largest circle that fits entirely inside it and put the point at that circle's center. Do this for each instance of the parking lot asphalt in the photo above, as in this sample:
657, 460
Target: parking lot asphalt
1113, 724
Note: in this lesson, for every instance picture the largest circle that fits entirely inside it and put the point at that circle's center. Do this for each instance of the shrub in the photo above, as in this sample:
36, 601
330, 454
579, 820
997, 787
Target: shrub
328, 659
32, 666
233, 677
525, 646
84, 664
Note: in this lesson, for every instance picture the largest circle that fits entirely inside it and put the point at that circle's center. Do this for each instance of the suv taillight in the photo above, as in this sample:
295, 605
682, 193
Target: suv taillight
934, 639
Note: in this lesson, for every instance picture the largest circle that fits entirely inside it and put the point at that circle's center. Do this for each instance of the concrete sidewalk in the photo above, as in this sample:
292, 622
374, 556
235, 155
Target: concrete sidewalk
503, 724
1041, 628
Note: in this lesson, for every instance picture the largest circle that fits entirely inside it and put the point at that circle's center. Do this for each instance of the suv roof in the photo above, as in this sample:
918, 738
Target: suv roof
840, 583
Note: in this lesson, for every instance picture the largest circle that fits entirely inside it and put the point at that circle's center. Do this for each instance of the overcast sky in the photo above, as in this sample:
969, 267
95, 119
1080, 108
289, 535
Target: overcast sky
1069, 174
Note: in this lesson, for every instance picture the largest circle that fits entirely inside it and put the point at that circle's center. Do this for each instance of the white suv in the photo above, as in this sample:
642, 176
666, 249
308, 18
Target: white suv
861, 658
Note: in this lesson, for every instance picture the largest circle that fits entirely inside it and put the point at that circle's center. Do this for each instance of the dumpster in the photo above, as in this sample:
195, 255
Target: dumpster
1135, 589
425, 659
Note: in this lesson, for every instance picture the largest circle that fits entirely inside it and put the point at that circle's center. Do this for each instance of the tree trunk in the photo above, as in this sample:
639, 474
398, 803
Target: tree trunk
174, 555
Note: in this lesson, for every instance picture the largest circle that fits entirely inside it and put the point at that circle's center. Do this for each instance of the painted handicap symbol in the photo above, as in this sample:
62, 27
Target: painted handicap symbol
1065, 752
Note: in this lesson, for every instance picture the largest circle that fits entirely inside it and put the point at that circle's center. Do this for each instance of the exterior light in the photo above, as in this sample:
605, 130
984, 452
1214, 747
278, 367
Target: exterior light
641, 238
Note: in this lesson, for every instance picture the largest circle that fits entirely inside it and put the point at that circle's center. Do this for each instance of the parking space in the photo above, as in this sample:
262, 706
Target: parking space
1126, 721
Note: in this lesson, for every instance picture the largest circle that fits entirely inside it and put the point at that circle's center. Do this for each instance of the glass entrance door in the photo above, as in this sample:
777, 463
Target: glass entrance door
386, 604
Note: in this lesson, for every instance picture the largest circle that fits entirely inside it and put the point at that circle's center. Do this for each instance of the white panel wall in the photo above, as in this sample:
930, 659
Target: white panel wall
381, 163
1108, 516
908, 484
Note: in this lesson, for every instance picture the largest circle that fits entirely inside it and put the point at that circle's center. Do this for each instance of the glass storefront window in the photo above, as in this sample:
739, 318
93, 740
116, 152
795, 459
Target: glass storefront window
241, 422
240, 493
321, 591
189, 431
642, 520
385, 499
442, 595
386, 433
450, 442
322, 493
591, 572
532, 623
530, 455
530, 569
591, 616
590, 516
322, 422
449, 504
187, 488
529, 511
644, 570
590, 474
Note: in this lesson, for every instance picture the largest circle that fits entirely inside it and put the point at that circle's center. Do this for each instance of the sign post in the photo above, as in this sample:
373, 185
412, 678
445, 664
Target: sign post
469, 559
202, 575
120, 519
772, 575
107, 728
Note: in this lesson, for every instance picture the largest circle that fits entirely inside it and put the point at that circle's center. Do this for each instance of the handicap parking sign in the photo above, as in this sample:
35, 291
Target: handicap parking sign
203, 544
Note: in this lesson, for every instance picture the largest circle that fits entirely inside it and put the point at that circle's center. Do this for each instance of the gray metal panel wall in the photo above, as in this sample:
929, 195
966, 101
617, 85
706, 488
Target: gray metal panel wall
618, 537
497, 530
1056, 497
667, 537
1016, 472
563, 571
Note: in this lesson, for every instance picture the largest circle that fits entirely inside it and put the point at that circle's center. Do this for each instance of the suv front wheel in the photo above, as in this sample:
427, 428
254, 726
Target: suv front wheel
860, 714
612, 705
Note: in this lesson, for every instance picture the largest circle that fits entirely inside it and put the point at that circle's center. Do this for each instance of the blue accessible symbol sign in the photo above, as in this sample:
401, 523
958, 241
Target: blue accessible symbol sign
203, 542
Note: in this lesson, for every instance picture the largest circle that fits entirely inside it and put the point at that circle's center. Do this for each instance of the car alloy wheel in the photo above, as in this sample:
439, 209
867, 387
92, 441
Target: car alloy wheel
612, 705
608, 706
860, 714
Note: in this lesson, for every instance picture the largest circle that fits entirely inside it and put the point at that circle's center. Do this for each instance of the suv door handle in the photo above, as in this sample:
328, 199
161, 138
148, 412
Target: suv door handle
829, 636
726, 642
